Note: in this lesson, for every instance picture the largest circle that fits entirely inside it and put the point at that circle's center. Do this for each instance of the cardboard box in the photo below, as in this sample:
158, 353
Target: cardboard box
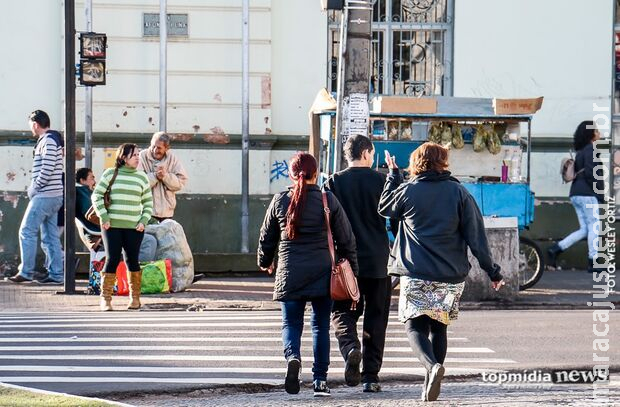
400, 104
517, 106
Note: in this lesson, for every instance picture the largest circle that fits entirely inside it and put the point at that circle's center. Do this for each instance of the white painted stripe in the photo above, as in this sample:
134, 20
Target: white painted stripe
187, 318
164, 325
221, 358
144, 348
49, 339
239, 370
188, 380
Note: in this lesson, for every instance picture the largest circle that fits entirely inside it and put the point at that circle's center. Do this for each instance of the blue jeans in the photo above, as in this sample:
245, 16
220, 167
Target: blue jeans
41, 214
587, 222
293, 326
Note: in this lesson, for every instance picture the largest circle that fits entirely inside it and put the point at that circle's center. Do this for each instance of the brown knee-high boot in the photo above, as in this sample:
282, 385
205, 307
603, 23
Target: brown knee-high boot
135, 284
107, 288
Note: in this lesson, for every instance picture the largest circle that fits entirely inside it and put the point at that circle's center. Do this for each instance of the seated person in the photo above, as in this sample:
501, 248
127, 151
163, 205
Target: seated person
85, 183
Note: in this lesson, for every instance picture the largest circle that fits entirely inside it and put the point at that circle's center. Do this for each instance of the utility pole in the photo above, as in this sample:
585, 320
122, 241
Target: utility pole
69, 286
353, 74
245, 124
88, 97
163, 64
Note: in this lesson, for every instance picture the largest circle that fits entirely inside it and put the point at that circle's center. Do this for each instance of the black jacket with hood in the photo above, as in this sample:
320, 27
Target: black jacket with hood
439, 219
304, 264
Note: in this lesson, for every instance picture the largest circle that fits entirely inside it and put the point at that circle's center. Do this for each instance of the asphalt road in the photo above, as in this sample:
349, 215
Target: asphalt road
145, 352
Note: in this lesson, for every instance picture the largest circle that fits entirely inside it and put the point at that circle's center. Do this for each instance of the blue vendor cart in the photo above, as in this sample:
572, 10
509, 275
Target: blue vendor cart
500, 182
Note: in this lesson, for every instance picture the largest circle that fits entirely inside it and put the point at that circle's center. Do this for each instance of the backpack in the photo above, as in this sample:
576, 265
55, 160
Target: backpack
567, 169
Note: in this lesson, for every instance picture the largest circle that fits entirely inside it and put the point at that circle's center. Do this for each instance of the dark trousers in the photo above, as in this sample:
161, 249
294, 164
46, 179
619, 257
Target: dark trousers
293, 327
428, 339
375, 297
116, 241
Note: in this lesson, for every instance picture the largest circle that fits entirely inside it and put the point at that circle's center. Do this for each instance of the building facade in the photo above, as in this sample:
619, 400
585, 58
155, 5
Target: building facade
558, 49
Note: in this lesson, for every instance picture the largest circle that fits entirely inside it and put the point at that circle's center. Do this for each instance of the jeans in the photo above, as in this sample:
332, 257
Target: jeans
375, 296
587, 222
293, 326
41, 214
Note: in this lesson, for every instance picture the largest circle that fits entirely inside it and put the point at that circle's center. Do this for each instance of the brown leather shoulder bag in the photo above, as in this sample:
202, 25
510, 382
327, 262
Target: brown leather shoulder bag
91, 214
343, 283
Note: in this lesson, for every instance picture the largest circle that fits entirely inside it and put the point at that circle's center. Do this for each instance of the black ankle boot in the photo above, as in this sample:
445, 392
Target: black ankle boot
553, 252
591, 266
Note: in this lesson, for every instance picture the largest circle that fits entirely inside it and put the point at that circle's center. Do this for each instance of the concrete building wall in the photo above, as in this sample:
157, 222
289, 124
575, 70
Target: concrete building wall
527, 48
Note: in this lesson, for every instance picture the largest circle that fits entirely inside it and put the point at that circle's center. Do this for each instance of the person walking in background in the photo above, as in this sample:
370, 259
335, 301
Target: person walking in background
123, 221
583, 194
166, 175
294, 228
439, 219
46, 195
358, 188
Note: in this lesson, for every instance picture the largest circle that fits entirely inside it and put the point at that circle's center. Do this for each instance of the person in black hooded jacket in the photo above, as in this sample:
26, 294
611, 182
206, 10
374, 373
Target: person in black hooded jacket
585, 192
294, 228
439, 219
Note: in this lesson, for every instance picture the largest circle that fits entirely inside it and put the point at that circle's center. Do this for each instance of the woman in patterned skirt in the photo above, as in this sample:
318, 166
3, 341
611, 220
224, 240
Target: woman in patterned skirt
439, 219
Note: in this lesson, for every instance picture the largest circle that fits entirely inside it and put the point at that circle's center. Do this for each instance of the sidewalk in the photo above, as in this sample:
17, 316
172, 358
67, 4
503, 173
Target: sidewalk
565, 289
469, 393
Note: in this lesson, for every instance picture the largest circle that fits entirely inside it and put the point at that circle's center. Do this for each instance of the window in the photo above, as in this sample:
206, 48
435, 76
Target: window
411, 47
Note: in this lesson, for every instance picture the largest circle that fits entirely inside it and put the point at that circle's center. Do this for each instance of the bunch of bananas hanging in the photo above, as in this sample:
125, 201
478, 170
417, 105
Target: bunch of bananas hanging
486, 136
446, 134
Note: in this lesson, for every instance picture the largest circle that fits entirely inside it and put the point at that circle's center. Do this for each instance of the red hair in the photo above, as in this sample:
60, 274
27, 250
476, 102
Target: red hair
302, 168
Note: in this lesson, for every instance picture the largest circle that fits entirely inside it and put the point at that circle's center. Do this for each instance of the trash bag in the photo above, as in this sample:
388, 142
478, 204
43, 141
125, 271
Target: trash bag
172, 244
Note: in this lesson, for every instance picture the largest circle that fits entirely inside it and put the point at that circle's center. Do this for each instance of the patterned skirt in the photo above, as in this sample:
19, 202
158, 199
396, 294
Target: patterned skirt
439, 301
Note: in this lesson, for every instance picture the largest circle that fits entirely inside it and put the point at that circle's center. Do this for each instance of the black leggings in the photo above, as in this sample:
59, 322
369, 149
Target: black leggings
116, 240
429, 351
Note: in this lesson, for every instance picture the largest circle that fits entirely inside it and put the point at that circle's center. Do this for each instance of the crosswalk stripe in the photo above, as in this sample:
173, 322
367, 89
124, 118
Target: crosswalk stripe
219, 358
116, 379
307, 338
162, 325
93, 348
241, 370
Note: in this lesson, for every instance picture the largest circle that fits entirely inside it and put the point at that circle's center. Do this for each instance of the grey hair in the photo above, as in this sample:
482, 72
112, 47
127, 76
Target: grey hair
161, 136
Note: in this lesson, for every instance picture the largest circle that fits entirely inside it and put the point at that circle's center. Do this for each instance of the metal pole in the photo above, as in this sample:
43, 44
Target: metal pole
88, 98
69, 286
163, 64
245, 124
337, 153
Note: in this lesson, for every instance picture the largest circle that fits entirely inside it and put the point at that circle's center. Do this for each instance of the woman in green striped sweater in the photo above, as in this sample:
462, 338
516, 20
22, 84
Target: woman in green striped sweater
123, 221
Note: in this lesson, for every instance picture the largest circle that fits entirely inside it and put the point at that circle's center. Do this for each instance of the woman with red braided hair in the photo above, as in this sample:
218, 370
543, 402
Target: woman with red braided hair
295, 228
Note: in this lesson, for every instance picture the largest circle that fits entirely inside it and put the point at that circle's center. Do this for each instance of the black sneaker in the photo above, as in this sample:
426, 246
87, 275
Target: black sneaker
352, 374
17, 279
49, 281
321, 389
372, 387
291, 382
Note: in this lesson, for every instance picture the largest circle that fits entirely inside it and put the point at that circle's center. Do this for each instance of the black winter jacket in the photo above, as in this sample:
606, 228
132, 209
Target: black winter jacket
584, 183
358, 190
304, 264
439, 219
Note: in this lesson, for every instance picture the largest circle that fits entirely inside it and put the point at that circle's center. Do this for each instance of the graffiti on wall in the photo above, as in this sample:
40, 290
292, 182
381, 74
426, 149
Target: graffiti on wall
279, 169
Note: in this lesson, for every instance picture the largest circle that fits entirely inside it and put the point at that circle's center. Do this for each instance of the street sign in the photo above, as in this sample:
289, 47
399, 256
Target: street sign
178, 25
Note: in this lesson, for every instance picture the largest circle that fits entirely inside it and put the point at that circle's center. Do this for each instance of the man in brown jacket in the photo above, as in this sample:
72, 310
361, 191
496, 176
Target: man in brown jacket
166, 175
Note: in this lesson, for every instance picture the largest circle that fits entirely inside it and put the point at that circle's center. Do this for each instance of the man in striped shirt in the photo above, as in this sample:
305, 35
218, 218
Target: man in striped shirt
45, 193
